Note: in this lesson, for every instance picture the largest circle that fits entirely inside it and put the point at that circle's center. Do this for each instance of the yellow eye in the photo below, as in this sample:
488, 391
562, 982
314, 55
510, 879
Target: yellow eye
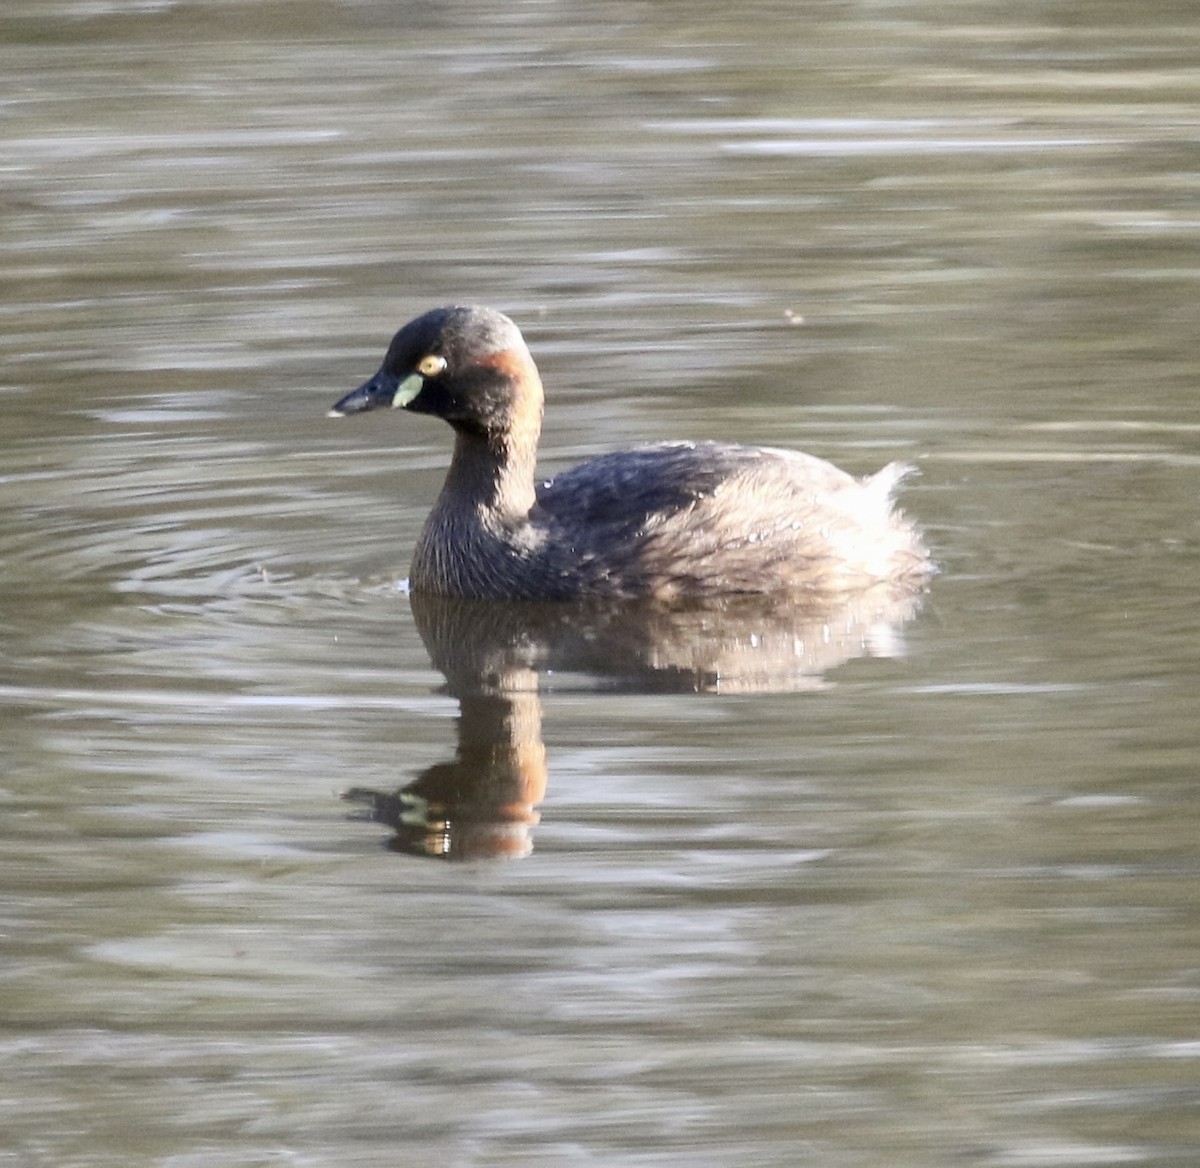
431, 365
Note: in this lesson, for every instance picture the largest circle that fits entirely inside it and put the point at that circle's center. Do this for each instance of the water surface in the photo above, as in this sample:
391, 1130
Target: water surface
932, 903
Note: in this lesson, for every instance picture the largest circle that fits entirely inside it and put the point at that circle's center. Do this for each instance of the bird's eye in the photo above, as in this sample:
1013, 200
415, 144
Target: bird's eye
431, 365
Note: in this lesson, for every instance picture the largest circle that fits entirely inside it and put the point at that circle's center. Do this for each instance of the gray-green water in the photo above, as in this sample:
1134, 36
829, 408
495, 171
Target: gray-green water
920, 909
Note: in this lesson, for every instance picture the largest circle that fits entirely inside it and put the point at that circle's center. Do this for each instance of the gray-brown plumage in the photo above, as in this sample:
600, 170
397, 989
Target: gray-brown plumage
672, 521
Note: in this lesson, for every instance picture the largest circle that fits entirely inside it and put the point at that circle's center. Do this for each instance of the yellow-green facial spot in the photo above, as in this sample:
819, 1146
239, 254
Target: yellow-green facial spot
428, 366
407, 390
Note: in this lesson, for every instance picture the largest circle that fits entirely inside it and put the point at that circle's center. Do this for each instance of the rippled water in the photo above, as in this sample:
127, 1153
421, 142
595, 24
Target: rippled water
917, 891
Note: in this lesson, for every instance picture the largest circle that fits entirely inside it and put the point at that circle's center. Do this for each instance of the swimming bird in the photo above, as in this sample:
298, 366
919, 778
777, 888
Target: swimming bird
672, 521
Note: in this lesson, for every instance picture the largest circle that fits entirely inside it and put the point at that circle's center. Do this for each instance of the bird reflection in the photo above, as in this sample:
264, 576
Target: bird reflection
483, 803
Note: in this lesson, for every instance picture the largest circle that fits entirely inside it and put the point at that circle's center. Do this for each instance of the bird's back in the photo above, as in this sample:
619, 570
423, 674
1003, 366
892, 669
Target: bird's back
688, 519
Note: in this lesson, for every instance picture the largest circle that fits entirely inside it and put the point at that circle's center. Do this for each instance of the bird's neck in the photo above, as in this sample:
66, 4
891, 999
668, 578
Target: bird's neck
492, 477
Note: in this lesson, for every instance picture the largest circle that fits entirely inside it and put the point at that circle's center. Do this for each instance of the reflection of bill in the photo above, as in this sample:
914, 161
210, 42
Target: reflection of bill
483, 803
